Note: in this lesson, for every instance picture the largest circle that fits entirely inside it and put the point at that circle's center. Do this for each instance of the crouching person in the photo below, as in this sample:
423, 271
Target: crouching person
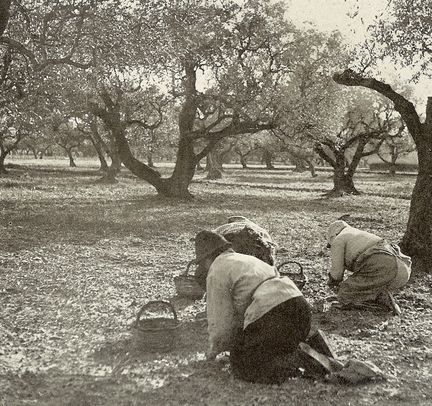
378, 267
252, 312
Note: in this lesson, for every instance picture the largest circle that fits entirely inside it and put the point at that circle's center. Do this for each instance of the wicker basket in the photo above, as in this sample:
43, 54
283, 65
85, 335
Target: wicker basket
187, 286
156, 334
299, 278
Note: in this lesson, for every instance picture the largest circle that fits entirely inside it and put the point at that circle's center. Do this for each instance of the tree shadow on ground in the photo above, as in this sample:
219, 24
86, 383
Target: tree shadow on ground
85, 219
85, 222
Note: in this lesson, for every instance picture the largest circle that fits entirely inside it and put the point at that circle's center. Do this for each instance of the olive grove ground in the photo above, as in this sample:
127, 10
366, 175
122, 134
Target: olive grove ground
78, 259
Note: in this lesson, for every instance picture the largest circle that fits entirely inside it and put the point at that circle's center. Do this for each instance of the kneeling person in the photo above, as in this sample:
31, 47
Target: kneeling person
378, 267
252, 312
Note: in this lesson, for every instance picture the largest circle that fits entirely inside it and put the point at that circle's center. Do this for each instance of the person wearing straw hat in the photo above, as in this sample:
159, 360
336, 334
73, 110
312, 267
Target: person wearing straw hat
249, 238
237, 223
252, 312
378, 267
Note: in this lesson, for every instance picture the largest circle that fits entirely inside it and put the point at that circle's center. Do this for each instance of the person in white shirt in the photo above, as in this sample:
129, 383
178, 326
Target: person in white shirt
252, 312
378, 267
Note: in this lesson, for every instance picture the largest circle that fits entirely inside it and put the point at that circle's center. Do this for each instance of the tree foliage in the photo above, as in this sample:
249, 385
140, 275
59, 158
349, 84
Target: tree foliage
406, 32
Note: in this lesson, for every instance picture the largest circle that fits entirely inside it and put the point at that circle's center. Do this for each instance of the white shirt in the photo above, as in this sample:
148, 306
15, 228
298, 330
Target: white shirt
351, 244
233, 299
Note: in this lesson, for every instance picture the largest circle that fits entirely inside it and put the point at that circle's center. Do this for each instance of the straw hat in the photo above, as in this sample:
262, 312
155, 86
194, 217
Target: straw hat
207, 242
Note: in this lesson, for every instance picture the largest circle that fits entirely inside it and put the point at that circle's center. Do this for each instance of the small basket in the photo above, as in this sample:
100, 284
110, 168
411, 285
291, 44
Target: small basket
299, 278
156, 334
186, 285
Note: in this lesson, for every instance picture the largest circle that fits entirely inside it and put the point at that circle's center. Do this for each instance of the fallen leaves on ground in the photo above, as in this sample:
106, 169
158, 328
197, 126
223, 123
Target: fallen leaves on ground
78, 260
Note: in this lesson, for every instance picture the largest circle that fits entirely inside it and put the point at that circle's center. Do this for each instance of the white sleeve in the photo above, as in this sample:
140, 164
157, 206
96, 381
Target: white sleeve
337, 259
220, 314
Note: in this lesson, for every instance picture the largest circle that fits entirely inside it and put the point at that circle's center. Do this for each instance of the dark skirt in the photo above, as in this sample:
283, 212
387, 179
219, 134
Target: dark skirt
258, 349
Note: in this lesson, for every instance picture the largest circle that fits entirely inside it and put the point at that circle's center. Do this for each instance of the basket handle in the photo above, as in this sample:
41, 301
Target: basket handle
154, 302
190, 263
301, 273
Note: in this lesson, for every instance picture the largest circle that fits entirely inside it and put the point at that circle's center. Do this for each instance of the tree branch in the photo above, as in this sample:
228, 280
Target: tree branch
320, 151
404, 107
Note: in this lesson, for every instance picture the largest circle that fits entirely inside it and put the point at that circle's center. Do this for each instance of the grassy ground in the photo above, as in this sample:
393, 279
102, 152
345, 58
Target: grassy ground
78, 259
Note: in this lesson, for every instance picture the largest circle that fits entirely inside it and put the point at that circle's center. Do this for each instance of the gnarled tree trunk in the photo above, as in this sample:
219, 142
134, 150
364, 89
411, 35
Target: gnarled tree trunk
343, 179
177, 185
417, 240
186, 160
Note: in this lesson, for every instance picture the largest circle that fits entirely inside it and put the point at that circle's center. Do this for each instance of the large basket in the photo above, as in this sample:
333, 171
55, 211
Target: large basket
299, 278
186, 285
156, 334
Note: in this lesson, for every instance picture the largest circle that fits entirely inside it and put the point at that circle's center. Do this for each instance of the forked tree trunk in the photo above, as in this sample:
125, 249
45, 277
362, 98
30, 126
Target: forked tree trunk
343, 184
186, 160
343, 178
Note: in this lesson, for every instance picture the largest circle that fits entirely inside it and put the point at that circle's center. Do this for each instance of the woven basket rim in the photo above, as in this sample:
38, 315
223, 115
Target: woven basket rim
172, 325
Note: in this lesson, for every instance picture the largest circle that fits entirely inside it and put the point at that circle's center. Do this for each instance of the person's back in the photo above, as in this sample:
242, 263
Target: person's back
377, 267
252, 312
239, 274
350, 243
